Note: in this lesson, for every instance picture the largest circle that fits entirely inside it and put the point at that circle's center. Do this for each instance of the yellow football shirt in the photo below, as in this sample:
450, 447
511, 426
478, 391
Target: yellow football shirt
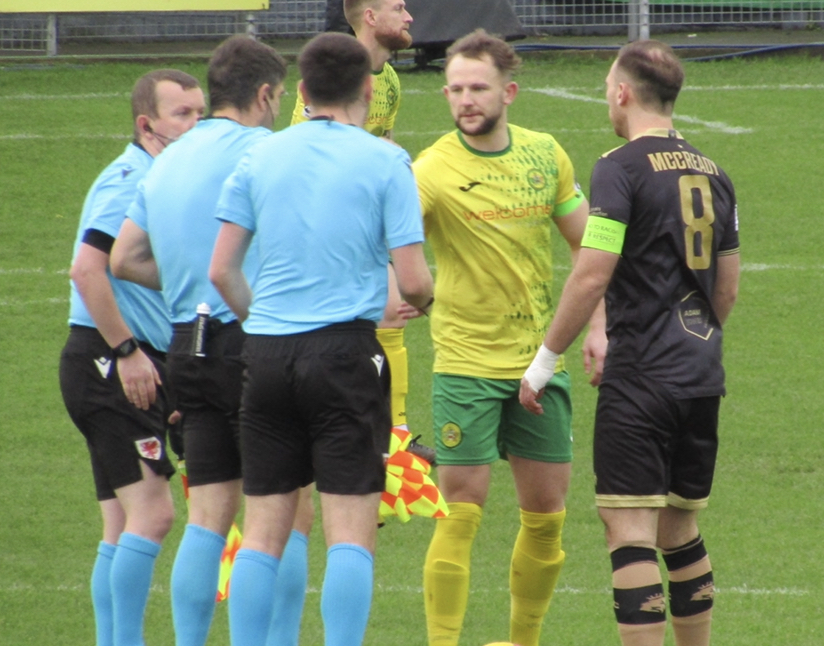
386, 100
488, 218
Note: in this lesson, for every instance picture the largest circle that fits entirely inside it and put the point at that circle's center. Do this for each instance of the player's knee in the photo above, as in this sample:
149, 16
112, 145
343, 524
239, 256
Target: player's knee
164, 518
305, 513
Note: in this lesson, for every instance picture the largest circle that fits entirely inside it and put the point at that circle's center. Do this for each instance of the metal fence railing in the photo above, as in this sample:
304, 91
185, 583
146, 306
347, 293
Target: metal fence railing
45, 33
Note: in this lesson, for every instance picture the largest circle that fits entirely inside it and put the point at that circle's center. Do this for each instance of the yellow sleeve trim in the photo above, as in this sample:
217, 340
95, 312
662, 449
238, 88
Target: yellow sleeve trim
604, 234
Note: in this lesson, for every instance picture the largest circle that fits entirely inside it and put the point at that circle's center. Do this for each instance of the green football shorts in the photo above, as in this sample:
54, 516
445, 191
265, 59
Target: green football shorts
477, 421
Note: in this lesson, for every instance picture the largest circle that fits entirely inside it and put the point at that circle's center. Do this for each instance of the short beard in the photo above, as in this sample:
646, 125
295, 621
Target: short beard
394, 42
487, 126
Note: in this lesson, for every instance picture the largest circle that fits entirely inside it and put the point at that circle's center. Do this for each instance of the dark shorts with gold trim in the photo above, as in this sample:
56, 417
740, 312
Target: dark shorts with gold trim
651, 449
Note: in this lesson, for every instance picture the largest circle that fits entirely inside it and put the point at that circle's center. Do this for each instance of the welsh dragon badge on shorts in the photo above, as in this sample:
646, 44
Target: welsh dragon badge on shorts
150, 448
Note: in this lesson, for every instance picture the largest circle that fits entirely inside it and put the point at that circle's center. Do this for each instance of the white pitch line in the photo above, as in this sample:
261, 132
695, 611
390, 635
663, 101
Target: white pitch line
79, 135
63, 97
758, 266
21, 270
740, 589
158, 588
712, 125
738, 88
41, 301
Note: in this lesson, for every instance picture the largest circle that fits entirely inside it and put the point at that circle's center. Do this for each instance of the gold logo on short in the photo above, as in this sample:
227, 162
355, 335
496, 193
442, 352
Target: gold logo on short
654, 603
705, 593
451, 435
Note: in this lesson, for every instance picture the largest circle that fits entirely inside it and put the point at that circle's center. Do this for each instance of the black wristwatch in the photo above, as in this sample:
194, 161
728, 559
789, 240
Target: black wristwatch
129, 346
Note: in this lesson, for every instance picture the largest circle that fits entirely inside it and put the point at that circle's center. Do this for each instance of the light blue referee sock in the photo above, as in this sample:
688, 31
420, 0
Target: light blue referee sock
102, 594
347, 594
131, 577
194, 584
251, 597
290, 592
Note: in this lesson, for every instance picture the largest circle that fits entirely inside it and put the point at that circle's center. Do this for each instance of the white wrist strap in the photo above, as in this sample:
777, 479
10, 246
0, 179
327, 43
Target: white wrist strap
541, 369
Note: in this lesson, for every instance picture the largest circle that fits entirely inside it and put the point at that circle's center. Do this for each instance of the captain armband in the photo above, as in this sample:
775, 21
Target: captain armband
604, 234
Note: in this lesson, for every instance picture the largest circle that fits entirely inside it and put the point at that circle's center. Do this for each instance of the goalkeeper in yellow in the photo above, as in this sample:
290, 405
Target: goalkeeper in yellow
490, 192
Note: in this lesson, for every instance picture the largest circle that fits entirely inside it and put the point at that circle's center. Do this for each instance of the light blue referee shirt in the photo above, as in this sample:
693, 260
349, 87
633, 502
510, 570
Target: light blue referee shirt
175, 205
325, 202
104, 210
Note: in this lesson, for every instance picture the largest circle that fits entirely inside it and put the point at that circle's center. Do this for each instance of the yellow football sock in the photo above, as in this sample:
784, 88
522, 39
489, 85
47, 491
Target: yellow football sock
391, 339
446, 573
536, 564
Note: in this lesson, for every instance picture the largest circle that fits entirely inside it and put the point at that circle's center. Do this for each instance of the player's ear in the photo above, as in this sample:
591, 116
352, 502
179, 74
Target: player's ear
263, 94
510, 92
142, 124
623, 94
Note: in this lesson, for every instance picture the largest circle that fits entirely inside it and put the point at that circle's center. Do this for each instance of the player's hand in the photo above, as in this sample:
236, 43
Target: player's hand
539, 373
407, 311
529, 398
595, 351
139, 378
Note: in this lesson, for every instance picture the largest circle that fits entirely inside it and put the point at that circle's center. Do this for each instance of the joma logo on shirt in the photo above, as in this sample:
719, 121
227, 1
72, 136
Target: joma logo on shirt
508, 214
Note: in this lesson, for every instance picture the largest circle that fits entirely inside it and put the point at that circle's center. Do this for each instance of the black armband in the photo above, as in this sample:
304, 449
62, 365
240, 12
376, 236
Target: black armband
99, 240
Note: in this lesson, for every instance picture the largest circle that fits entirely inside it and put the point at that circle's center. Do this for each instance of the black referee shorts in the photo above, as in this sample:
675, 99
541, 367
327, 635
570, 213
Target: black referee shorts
208, 391
315, 407
118, 434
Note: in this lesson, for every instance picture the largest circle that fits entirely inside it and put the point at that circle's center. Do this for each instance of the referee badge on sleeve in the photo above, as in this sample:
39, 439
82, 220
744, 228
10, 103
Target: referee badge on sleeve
150, 448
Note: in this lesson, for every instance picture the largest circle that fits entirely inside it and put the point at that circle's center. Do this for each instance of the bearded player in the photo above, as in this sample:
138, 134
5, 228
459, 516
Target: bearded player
490, 195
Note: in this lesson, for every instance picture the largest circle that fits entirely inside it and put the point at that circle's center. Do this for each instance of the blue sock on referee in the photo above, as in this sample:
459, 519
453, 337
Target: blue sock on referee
347, 594
290, 592
102, 594
131, 577
252, 597
195, 577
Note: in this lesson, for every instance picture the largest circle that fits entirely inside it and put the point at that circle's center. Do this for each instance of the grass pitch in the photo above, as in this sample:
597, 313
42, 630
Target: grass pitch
759, 119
